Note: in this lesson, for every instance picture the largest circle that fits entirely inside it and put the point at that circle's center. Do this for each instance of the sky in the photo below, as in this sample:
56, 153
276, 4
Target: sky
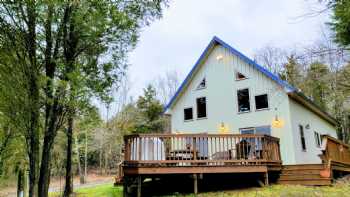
176, 41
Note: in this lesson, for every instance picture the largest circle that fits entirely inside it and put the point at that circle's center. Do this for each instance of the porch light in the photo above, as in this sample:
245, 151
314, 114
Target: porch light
223, 128
219, 57
277, 123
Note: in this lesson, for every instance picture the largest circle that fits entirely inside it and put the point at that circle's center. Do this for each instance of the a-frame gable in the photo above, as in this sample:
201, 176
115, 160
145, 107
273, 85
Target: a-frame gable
216, 41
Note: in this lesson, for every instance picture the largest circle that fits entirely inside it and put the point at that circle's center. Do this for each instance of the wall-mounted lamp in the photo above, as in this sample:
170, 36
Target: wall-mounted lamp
223, 128
277, 122
219, 57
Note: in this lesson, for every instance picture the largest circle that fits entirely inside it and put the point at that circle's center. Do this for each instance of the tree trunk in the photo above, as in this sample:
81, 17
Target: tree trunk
20, 183
68, 189
82, 181
33, 132
45, 168
85, 158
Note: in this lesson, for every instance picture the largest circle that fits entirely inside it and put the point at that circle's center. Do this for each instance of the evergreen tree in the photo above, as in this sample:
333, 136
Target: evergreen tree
317, 85
151, 110
292, 70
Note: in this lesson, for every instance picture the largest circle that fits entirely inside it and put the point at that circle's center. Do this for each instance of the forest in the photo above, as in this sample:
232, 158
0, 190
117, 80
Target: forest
57, 58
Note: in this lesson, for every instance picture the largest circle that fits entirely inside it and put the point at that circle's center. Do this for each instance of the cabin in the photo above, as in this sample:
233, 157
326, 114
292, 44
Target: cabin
232, 116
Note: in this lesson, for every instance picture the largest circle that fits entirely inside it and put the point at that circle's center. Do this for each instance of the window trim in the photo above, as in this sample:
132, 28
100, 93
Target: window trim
206, 108
245, 77
302, 138
247, 128
254, 128
250, 107
201, 88
192, 114
268, 102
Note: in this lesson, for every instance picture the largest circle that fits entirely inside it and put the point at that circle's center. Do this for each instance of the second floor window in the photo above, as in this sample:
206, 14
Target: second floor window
261, 102
201, 107
243, 100
188, 113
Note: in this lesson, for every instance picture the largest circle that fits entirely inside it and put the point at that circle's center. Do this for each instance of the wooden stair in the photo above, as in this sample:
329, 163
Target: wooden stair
305, 174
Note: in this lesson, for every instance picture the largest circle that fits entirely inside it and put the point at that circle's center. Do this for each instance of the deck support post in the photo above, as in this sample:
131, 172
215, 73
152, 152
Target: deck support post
266, 177
139, 183
195, 183
125, 187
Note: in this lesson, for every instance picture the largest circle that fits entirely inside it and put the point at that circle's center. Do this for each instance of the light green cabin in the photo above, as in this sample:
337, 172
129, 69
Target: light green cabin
226, 92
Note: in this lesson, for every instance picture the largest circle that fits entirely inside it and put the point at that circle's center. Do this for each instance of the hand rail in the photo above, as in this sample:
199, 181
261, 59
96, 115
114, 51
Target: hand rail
335, 150
201, 149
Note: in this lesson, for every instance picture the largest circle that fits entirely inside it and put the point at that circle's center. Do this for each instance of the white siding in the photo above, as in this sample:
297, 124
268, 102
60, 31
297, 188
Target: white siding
221, 94
302, 116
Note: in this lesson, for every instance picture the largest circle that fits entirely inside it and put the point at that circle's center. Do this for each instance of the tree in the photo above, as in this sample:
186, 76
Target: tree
166, 86
291, 72
317, 83
272, 58
151, 111
58, 44
341, 21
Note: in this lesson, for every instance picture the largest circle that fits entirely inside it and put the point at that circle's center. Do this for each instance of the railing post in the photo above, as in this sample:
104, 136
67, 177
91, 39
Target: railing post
126, 149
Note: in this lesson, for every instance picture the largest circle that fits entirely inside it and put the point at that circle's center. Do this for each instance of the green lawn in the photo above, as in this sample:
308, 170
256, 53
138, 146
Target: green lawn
108, 190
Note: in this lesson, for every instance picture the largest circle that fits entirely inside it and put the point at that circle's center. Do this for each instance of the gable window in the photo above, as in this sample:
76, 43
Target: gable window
188, 113
243, 100
317, 139
201, 107
202, 84
240, 76
261, 102
302, 137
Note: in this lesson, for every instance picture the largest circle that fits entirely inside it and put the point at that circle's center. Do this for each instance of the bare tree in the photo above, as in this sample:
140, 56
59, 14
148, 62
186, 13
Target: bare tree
271, 57
167, 85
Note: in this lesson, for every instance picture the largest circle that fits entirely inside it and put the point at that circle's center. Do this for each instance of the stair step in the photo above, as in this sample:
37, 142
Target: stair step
308, 182
303, 167
301, 176
300, 172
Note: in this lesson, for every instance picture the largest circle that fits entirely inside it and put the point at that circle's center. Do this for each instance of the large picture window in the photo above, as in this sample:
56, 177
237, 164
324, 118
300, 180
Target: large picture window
261, 102
201, 107
243, 100
188, 113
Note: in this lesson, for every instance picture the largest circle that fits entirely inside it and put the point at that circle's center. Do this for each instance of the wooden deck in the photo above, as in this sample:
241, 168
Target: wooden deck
148, 155
335, 163
163, 155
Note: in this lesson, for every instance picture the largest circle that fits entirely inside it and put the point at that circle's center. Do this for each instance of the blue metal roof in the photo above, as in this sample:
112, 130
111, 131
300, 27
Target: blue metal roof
215, 41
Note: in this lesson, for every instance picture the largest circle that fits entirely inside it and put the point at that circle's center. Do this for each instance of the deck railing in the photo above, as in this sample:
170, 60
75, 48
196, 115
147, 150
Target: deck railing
335, 150
201, 149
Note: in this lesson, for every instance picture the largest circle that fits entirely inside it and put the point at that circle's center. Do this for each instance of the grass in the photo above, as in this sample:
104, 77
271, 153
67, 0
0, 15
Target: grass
105, 190
108, 190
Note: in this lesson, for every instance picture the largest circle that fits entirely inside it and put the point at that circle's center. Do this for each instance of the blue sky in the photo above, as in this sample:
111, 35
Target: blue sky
176, 41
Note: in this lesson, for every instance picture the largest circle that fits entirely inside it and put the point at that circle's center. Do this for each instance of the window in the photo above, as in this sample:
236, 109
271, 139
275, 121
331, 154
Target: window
201, 107
202, 84
243, 100
264, 130
240, 76
302, 137
261, 102
317, 139
188, 113
248, 130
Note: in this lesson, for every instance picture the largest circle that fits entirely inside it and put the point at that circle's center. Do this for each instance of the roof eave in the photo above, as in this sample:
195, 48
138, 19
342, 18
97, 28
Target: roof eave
306, 102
